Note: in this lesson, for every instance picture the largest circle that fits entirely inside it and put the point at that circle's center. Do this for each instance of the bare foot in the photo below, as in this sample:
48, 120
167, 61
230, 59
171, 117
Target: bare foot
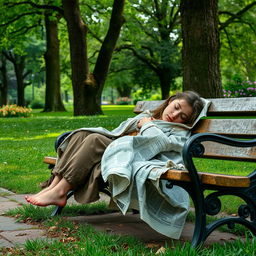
49, 197
55, 181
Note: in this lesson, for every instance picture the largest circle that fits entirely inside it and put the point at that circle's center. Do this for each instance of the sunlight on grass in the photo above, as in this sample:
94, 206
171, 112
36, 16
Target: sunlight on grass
49, 135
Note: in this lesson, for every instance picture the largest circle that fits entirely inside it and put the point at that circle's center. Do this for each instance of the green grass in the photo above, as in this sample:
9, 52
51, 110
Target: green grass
82, 239
73, 239
24, 143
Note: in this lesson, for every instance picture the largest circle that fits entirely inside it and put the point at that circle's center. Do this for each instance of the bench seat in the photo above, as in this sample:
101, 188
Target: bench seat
206, 178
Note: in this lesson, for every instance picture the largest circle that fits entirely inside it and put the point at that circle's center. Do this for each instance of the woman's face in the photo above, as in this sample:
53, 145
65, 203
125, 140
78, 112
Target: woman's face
177, 111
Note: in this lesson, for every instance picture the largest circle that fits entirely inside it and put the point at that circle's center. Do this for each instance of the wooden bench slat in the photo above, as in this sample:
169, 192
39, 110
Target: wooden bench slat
245, 106
50, 160
206, 178
245, 128
220, 151
209, 178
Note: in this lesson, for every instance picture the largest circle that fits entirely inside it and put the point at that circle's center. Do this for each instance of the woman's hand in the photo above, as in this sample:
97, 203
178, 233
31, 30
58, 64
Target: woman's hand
144, 120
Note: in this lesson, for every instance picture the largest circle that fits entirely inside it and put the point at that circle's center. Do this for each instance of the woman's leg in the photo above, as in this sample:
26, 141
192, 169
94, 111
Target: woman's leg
72, 146
84, 150
57, 195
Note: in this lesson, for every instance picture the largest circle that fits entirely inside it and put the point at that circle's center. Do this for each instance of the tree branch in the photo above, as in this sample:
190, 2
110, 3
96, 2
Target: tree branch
111, 71
236, 16
94, 35
37, 6
27, 73
151, 52
151, 35
26, 29
19, 17
143, 58
174, 20
108, 46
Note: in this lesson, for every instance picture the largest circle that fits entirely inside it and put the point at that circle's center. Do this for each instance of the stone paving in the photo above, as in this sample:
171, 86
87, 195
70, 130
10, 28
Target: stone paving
13, 233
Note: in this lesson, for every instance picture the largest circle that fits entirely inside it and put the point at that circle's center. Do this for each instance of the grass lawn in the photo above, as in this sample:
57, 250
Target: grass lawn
25, 141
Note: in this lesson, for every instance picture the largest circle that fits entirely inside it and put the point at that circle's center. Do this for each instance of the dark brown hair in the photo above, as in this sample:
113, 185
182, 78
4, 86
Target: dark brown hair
192, 98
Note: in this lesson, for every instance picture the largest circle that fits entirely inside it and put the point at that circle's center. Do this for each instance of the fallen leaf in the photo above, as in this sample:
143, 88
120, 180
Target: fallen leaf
152, 245
160, 250
53, 228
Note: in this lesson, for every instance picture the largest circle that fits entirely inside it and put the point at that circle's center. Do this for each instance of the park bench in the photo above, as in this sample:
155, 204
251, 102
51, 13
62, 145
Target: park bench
228, 133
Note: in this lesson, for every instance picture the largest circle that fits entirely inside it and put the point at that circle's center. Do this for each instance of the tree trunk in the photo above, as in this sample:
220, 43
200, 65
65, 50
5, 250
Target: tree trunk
84, 104
165, 82
4, 82
87, 88
108, 46
200, 53
53, 100
19, 66
124, 91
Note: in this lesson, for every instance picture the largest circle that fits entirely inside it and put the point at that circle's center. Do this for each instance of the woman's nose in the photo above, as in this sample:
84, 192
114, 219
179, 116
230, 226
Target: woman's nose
175, 114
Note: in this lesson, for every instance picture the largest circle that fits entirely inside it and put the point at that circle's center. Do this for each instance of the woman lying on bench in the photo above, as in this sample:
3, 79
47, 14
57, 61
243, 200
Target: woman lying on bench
88, 155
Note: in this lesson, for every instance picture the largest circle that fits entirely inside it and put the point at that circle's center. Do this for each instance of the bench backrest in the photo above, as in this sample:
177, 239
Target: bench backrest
234, 117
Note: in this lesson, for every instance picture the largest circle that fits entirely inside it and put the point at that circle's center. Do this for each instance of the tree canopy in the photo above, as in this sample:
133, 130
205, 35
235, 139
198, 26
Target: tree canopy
74, 47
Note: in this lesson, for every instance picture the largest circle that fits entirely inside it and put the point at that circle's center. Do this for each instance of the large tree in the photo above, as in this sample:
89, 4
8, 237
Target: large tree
21, 73
23, 17
152, 36
200, 54
53, 100
88, 86
201, 44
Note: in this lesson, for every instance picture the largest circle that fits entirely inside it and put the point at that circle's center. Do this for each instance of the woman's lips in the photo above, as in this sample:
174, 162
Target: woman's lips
169, 118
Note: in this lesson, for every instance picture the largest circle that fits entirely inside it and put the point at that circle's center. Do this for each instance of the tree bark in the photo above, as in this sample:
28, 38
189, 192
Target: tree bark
108, 46
77, 32
200, 53
87, 88
165, 78
4, 82
53, 100
19, 66
19, 69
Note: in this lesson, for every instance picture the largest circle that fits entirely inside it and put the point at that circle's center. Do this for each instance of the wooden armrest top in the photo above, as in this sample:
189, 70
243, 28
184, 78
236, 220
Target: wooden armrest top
209, 178
206, 178
50, 160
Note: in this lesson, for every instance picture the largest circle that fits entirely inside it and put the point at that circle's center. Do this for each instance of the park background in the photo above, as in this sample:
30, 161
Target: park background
88, 53
67, 59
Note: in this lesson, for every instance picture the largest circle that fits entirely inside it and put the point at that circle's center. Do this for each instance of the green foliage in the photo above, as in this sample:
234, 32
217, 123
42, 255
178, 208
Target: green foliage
40, 214
239, 88
141, 94
36, 104
238, 41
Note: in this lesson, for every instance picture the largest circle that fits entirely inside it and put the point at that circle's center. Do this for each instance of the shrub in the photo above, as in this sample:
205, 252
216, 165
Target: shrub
241, 89
36, 104
14, 111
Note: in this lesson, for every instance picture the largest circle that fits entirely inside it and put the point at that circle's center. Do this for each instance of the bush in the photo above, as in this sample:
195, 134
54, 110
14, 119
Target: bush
14, 111
240, 89
35, 104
